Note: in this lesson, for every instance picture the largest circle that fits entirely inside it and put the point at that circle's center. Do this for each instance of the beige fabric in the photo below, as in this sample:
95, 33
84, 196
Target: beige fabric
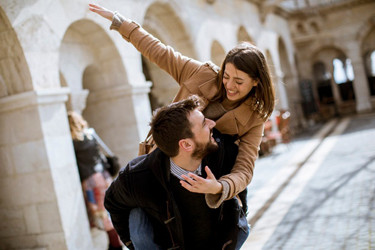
117, 20
214, 110
199, 78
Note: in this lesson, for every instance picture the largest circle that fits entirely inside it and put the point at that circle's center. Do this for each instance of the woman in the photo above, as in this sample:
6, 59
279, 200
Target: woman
239, 97
94, 178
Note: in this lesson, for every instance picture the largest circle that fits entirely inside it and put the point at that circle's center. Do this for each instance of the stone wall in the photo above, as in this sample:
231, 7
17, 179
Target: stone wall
336, 31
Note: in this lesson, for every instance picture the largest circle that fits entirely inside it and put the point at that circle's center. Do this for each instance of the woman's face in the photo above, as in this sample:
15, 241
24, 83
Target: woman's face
237, 83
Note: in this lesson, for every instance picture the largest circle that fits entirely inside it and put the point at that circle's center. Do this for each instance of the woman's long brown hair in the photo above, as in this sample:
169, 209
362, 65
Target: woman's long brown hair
249, 59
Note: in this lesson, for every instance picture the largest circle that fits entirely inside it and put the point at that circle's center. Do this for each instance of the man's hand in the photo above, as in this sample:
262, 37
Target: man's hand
101, 11
197, 184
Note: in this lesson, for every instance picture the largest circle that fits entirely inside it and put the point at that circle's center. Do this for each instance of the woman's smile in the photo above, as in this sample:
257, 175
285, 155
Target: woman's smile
237, 83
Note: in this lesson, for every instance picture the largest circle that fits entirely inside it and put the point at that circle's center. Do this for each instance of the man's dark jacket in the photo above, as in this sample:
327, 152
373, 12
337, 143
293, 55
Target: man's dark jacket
144, 183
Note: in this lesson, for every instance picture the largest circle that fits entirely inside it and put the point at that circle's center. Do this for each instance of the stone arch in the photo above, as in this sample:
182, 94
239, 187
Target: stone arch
243, 35
326, 44
365, 29
368, 43
162, 20
217, 53
213, 30
342, 92
92, 68
14, 72
86, 44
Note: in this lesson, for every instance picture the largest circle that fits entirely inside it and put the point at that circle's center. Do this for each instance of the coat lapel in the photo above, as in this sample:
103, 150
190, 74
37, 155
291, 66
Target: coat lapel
159, 165
231, 121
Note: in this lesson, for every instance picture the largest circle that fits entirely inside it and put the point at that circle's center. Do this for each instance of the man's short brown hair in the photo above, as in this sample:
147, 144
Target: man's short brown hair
170, 124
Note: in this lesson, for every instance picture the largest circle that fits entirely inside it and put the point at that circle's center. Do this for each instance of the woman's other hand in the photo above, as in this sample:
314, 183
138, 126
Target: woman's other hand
101, 11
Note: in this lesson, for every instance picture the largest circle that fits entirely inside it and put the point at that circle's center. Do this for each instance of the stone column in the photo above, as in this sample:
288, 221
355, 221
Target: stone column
283, 101
42, 204
295, 101
360, 82
78, 100
142, 108
335, 89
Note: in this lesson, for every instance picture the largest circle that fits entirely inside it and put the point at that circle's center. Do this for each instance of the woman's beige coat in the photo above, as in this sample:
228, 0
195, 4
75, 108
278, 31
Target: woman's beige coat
199, 78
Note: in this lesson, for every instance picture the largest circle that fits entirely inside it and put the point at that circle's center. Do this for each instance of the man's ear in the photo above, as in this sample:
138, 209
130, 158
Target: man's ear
186, 144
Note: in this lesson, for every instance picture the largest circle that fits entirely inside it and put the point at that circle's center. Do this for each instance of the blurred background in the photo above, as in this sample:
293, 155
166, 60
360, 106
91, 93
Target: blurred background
57, 56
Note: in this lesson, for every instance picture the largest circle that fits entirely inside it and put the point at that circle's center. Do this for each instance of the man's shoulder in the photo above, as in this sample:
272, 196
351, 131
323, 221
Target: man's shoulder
144, 162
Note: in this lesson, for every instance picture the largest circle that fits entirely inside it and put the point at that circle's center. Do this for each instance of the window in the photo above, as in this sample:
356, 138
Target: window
373, 63
370, 70
339, 71
342, 73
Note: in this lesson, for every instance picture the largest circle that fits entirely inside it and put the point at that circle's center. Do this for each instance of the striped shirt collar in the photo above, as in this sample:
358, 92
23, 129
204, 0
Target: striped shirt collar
177, 171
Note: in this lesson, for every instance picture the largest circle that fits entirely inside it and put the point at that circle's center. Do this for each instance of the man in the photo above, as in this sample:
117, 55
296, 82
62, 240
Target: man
180, 219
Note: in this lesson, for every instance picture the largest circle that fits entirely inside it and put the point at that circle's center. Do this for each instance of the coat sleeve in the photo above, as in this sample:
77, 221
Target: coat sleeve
180, 67
119, 201
243, 169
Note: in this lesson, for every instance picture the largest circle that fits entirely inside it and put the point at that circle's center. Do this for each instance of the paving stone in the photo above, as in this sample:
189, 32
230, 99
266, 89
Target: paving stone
336, 209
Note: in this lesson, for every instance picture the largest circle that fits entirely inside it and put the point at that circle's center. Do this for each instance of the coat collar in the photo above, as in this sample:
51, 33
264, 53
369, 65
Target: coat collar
242, 112
158, 163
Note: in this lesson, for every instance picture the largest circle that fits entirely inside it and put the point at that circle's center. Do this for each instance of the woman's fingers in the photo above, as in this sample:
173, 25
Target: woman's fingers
195, 177
187, 186
101, 11
210, 175
188, 179
95, 7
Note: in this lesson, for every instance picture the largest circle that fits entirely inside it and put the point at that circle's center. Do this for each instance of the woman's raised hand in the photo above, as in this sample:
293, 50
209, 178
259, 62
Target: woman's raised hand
101, 11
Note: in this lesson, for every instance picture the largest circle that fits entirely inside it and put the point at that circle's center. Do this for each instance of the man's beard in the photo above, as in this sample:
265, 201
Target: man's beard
203, 149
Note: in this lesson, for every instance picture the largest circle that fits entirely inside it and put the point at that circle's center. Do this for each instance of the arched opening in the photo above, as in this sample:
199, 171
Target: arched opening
92, 68
338, 74
217, 53
162, 21
87, 50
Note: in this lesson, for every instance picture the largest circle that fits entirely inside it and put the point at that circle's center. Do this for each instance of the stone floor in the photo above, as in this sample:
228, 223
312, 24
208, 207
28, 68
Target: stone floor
330, 202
